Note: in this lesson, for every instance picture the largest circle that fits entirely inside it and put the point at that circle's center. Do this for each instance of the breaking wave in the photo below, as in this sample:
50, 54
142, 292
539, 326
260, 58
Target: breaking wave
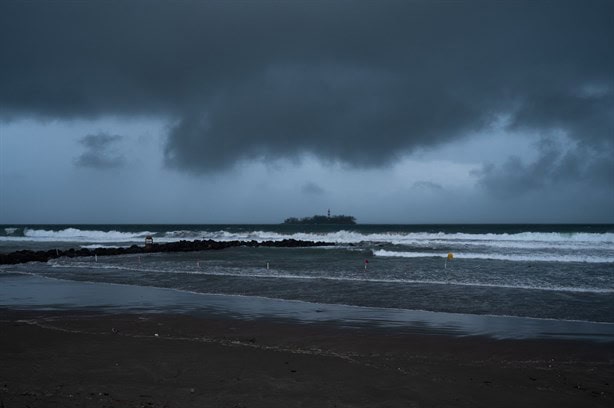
425, 240
532, 257
78, 235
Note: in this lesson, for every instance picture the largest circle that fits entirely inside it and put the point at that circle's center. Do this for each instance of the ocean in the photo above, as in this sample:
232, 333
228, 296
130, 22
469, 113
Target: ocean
560, 273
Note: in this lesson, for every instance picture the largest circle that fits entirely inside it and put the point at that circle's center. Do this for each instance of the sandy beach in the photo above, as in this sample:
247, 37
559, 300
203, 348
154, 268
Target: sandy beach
83, 359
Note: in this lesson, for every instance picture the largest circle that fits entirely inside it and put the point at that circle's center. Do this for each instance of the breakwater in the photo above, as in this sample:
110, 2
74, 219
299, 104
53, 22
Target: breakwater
24, 256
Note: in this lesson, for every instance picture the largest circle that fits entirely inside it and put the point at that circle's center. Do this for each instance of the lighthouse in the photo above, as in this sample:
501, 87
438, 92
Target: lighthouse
329, 213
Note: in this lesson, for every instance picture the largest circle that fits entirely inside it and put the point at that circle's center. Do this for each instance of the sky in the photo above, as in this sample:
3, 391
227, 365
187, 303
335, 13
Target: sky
252, 112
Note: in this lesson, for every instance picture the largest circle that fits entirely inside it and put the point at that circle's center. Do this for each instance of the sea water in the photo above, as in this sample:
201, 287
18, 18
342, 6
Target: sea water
559, 272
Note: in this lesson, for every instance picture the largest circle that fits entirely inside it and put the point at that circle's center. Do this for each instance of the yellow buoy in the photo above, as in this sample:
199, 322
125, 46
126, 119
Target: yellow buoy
450, 256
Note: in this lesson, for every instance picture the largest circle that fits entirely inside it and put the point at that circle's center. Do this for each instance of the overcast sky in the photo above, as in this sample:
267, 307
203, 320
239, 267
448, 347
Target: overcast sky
236, 111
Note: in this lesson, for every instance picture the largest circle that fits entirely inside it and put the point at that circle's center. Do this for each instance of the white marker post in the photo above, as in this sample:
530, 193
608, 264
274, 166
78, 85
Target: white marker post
267, 266
95, 257
366, 264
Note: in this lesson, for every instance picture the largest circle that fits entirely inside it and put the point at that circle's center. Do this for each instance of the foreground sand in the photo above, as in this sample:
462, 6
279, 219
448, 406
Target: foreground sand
93, 360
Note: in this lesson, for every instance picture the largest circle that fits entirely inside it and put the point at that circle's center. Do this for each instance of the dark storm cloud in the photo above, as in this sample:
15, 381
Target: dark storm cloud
339, 112
312, 188
356, 82
100, 152
555, 167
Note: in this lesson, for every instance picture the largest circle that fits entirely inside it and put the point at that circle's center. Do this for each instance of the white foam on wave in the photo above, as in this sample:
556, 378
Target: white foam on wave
246, 274
523, 240
78, 235
96, 246
183, 234
410, 238
260, 273
539, 257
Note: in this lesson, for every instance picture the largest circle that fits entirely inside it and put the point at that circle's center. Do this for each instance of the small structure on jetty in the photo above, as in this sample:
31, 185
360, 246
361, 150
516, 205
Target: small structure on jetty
148, 241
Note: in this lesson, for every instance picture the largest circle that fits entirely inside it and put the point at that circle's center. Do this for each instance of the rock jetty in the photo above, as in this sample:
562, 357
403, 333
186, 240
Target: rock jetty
24, 256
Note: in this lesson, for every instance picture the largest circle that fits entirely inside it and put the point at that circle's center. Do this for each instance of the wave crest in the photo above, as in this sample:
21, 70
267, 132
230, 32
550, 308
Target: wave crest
78, 235
540, 257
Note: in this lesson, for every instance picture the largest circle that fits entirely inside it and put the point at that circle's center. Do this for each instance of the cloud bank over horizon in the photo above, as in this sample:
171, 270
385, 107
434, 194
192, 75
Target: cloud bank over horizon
358, 84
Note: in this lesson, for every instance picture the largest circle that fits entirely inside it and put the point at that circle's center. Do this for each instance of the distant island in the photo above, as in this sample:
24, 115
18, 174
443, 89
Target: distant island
322, 219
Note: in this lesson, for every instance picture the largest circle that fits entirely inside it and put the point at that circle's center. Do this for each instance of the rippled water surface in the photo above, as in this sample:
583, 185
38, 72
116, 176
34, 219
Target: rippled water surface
556, 272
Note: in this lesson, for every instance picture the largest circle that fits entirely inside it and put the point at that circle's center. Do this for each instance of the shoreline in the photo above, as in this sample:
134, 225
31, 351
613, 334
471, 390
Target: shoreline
31, 292
87, 358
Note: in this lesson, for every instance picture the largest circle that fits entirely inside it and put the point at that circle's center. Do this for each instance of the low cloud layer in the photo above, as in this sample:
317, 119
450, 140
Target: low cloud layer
312, 188
361, 83
558, 164
100, 152
426, 186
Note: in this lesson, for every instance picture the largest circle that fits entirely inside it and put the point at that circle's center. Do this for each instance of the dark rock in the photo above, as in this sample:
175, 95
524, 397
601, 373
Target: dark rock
24, 256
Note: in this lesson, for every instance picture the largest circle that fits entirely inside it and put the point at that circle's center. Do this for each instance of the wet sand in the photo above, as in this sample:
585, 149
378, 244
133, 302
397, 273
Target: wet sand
82, 359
